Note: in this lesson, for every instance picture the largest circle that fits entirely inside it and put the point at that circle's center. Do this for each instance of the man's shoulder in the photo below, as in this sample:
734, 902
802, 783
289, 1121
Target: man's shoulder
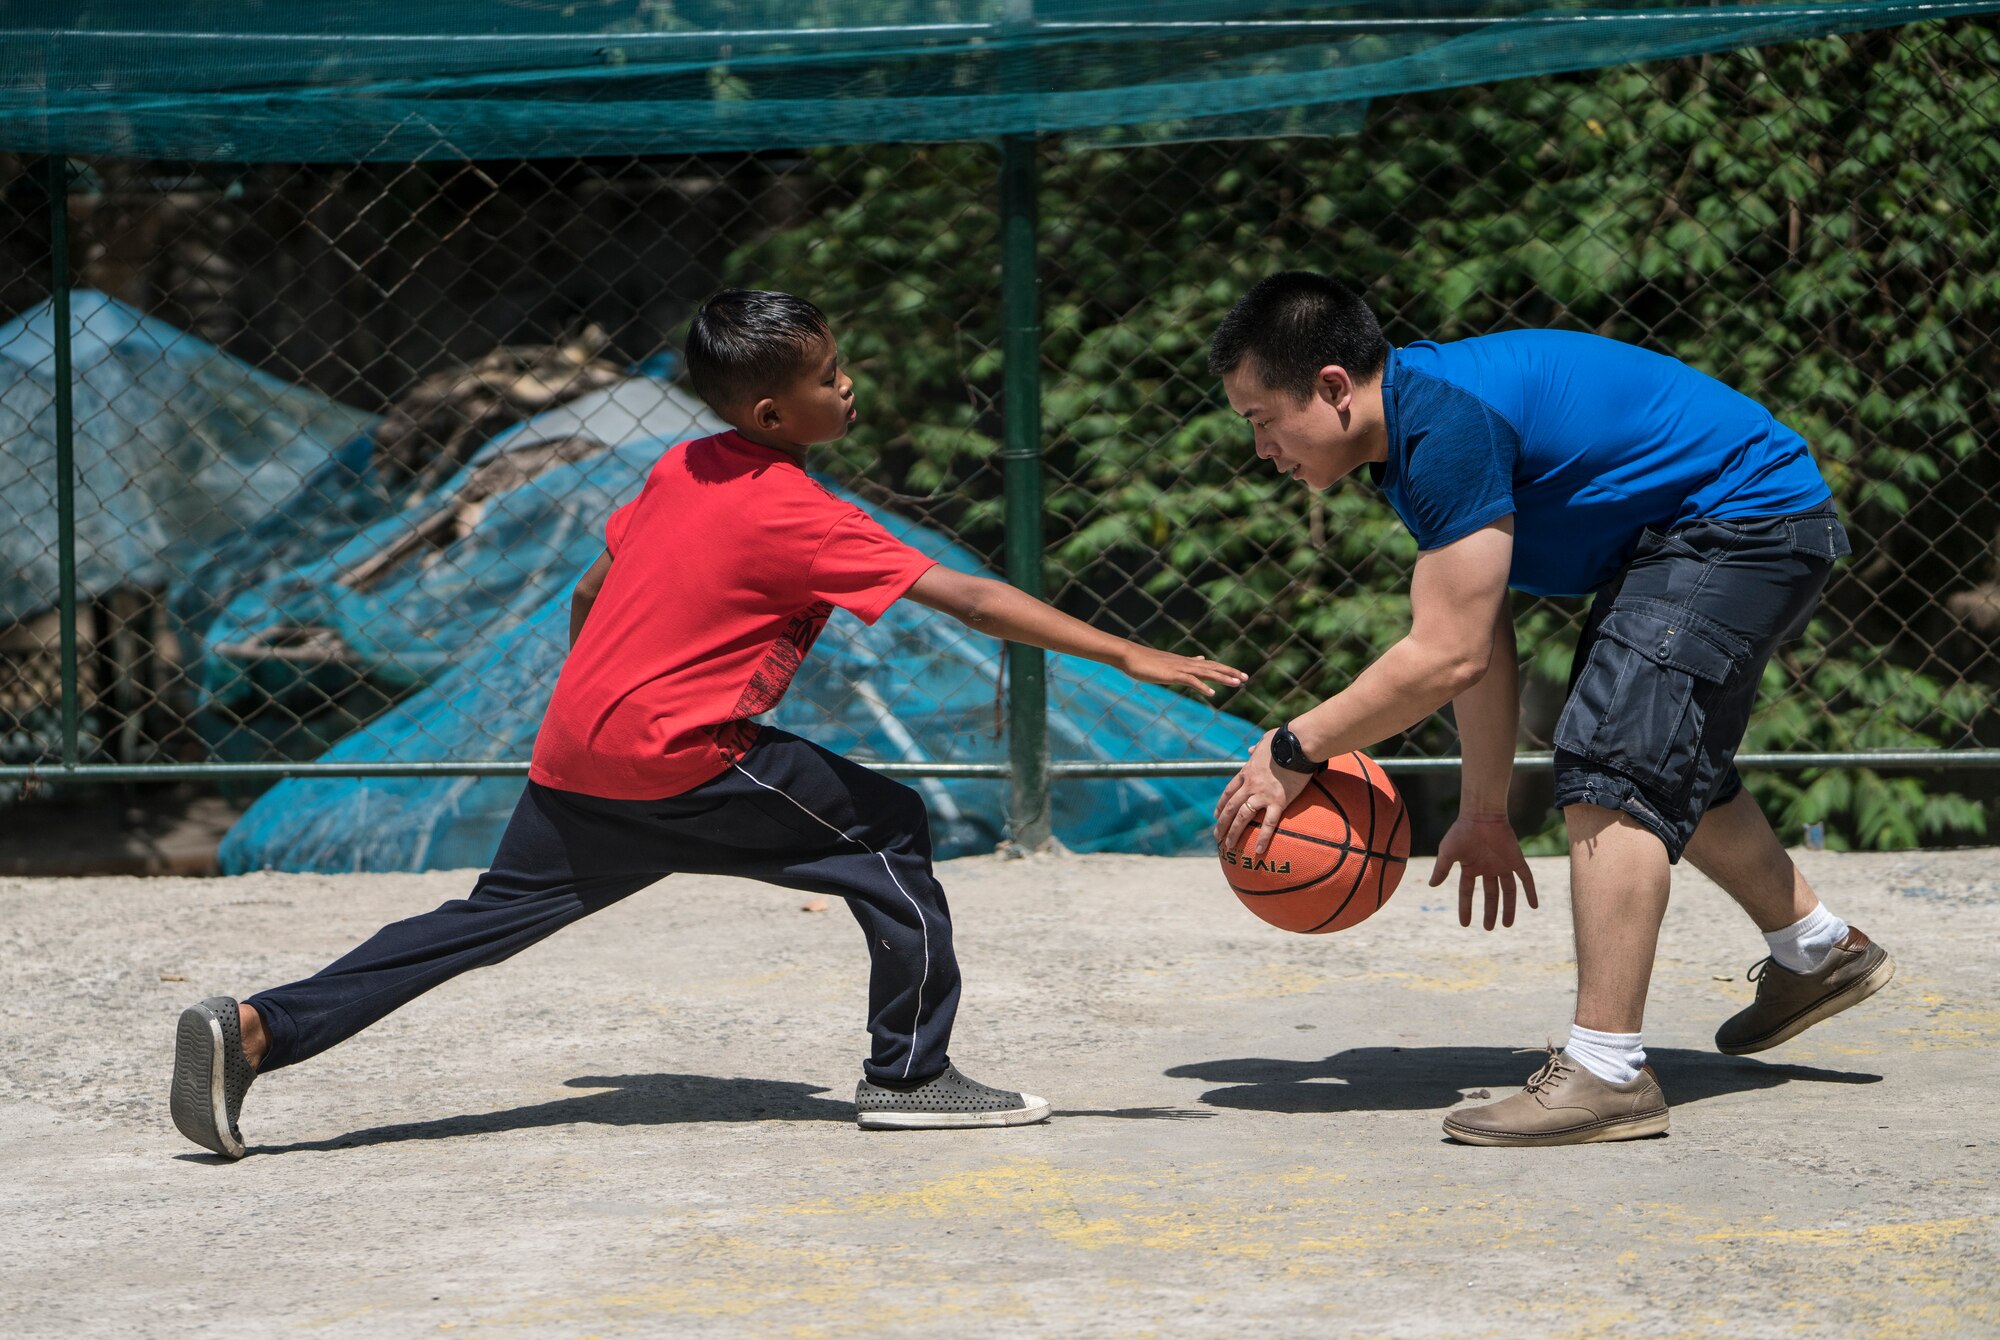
1436, 397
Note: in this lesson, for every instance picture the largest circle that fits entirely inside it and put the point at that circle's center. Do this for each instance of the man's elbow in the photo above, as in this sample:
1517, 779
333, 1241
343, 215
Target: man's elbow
1461, 670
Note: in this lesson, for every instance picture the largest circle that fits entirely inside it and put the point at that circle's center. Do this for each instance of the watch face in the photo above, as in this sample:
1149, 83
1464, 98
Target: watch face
1284, 748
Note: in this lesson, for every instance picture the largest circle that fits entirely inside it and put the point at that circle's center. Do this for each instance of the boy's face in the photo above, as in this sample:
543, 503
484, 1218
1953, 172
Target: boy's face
816, 406
1317, 441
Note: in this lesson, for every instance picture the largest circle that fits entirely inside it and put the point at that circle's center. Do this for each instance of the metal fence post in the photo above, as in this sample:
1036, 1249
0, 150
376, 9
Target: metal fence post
58, 166
1021, 453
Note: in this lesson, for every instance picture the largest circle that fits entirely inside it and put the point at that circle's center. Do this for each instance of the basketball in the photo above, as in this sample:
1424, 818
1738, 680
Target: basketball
1336, 857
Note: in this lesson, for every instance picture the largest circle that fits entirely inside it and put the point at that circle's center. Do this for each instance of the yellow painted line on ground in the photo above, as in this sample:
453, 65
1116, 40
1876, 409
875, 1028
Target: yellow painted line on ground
1920, 1235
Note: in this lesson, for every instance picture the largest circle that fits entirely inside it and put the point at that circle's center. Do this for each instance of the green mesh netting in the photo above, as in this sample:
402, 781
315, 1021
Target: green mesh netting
349, 80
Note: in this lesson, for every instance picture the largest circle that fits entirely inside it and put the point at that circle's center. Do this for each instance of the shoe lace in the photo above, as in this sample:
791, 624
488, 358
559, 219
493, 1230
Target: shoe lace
1758, 969
1552, 1070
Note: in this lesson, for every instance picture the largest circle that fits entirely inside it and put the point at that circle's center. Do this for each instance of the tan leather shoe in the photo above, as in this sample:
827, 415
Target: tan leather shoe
1788, 1003
1565, 1104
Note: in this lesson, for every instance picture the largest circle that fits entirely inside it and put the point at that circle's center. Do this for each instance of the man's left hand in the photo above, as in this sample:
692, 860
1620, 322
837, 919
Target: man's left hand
1259, 794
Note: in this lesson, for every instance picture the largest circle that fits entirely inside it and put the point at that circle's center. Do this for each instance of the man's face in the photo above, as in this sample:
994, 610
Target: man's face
1316, 441
818, 405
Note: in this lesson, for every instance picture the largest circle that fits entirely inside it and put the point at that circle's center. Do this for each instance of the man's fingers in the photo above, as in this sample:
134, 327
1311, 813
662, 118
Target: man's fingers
1273, 812
1492, 900
1438, 871
1528, 880
1228, 793
1506, 898
1238, 821
1465, 895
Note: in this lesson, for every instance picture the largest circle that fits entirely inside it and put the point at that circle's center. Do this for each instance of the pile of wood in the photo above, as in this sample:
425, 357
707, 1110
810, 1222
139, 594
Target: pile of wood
437, 425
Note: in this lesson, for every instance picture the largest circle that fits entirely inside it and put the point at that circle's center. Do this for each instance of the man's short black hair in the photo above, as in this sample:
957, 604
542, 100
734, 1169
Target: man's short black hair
1295, 323
745, 344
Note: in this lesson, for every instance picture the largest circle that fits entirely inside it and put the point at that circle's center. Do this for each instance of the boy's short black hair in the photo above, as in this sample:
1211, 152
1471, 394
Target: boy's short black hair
1295, 323
745, 343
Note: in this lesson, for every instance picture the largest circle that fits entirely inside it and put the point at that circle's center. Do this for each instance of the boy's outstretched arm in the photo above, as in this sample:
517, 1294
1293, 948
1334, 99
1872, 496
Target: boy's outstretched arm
585, 595
1001, 611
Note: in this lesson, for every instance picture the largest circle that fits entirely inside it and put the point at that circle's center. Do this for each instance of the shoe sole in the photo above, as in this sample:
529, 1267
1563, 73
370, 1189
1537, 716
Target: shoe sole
198, 1101
1877, 978
952, 1121
1625, 1128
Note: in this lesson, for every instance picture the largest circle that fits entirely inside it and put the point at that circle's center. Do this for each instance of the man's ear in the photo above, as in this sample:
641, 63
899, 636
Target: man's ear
765, 414
1335, 387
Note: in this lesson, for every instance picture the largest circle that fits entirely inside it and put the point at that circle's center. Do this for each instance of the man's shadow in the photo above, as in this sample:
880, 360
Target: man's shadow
654, 1100
1396, 1079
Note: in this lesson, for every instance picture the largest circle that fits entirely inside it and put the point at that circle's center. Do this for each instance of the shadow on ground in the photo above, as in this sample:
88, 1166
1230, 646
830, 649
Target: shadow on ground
1395, 1079
622, 1100
658, 1100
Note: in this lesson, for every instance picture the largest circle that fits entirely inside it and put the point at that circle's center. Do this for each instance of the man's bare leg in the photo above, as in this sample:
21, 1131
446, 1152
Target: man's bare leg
1597, 1088
1735, 847
1618, 876
1819, 964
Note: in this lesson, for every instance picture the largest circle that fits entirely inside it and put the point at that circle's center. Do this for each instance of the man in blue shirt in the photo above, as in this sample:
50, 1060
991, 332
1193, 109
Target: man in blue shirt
1561, 463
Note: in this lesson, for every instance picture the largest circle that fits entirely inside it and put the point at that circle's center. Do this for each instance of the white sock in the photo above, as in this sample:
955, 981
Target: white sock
1614, 1058
1804, 945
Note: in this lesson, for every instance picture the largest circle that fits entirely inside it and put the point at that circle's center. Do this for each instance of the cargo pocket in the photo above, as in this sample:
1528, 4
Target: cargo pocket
1820, 535
1640, 705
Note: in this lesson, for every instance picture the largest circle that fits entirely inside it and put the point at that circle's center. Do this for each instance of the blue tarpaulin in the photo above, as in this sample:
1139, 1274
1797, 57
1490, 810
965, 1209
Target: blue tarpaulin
178, 445
483, 622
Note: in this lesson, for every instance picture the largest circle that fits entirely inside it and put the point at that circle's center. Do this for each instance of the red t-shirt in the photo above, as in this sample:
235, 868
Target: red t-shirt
722, 574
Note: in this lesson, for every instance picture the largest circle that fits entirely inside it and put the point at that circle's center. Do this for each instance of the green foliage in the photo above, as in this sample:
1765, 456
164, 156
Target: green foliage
1809, 223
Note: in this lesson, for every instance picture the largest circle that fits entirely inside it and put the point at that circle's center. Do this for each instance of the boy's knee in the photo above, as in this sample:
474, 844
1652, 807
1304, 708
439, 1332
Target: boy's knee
912, 815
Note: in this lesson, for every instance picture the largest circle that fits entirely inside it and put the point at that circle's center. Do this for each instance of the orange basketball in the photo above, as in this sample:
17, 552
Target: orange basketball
1337, 854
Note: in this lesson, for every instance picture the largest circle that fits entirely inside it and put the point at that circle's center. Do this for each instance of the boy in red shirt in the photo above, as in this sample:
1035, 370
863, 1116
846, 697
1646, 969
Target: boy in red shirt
713, 585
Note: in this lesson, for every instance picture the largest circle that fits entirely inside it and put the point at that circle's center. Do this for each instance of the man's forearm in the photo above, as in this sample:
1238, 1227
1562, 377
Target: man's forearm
1406, 684
579, 610
1488, 718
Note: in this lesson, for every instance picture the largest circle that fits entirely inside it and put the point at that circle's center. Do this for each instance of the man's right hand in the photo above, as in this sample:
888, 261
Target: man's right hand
1484, 848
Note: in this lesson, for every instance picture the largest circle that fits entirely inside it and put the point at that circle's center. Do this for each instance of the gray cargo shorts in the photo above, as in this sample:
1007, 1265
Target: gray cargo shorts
1667, 669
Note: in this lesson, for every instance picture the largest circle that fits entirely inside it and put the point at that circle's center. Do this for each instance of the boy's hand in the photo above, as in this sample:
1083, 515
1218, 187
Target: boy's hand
1163, 667
1484, 847
1260, 793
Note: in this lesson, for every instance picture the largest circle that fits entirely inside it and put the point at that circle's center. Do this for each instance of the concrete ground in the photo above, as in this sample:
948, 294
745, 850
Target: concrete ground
642, 1125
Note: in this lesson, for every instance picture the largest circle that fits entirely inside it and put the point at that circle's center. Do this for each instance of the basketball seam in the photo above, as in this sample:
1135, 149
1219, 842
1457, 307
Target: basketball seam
1360, 874
1402, 814
1344, 848
1321, 878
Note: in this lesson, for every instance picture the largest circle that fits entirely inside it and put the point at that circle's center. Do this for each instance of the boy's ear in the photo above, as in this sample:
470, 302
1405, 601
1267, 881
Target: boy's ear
765, 414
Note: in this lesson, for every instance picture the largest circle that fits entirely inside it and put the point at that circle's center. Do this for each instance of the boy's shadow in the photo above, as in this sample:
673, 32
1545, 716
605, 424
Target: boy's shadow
1395, 1079
650, 1100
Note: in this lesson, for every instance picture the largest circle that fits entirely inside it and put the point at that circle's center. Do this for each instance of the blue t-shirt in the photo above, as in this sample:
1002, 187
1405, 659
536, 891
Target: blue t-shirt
1586, 441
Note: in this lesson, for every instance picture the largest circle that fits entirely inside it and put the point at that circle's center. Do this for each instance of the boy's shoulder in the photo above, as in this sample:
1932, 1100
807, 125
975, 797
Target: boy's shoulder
760, 488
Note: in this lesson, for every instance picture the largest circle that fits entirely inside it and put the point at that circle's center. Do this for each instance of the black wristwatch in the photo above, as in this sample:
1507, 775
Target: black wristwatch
1286, 753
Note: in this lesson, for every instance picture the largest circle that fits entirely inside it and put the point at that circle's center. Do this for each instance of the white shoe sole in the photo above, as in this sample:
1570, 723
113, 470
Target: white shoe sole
198, 1103
1636, 1128
1032, 1110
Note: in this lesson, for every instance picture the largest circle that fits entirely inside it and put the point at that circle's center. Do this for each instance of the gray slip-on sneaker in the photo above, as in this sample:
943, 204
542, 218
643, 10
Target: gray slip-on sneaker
211, 1075
947, 1101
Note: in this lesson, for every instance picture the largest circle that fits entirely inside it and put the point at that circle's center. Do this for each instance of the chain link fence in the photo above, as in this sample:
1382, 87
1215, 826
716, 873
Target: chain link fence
338, 434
